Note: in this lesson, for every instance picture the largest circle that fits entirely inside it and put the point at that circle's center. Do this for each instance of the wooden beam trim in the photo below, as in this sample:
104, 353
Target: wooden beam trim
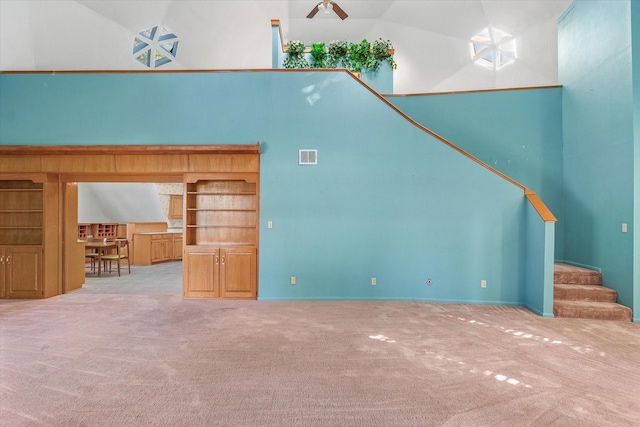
120, 177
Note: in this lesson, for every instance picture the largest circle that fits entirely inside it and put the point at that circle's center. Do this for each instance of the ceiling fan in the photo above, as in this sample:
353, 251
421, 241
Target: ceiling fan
327, 6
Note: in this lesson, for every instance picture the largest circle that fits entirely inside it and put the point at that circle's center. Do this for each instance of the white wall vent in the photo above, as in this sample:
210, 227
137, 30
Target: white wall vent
308, 157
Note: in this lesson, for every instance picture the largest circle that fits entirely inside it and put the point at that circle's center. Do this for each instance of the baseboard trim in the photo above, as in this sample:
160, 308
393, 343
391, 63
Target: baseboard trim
540, 313
444, 301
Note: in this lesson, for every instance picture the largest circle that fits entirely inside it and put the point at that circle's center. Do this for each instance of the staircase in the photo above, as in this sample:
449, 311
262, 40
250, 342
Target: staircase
578, 293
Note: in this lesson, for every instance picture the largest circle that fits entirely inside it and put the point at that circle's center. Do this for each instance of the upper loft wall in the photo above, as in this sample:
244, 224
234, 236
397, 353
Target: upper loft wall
518, 132
430, 37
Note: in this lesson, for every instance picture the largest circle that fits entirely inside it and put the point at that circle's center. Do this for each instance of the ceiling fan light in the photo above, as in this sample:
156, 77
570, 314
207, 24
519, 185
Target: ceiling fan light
325, 9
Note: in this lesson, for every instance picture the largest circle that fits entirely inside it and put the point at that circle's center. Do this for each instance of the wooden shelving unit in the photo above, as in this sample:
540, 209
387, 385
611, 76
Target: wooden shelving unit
98, 231
21, 238
222, 213
221, 232
21, 213
84, 230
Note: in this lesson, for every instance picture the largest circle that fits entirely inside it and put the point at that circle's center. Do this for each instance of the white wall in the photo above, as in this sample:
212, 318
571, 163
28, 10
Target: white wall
430, 37
119, 203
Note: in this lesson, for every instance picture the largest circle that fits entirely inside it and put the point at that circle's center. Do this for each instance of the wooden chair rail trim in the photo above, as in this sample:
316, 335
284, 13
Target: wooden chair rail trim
127, 149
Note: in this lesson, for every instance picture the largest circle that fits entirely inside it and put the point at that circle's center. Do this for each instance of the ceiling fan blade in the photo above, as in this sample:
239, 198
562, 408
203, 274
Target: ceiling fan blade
338, 10
314, 11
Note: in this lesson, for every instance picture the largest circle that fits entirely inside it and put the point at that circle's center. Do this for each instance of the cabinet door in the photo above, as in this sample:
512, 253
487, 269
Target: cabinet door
238, 278
175, 206
167, 248
23, 272
3, 280
201, 273
177, 247
158, 250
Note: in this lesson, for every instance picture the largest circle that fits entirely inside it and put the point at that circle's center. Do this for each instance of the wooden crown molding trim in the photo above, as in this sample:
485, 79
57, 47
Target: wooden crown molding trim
128, 149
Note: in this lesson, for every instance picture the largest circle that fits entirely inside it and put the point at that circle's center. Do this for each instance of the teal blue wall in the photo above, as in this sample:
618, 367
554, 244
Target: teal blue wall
386, 200
518, 132
595, 68
121, 109
635, 43
539, 264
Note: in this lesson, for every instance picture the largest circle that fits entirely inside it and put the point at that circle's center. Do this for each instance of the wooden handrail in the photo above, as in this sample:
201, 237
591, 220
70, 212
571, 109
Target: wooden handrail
461, 92
539, 206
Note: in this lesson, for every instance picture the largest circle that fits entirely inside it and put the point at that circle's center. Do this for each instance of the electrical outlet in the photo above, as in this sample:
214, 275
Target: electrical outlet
429, 282
483, 283
373, 281
269, 224
624, 228
293, 280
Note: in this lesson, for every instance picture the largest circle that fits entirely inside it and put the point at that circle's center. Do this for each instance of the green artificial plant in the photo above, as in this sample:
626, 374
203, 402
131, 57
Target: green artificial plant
381, 53
295, 55
338, 54
319, 55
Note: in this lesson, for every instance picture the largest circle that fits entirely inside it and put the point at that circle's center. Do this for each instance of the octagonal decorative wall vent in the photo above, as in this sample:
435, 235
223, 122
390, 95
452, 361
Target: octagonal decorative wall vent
155, 47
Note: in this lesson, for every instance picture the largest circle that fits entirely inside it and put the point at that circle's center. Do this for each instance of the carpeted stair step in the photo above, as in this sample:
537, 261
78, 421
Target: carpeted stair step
569, 274
583, 293
591, 310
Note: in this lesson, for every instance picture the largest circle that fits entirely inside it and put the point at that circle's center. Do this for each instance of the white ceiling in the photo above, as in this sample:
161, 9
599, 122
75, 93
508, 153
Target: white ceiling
430, 37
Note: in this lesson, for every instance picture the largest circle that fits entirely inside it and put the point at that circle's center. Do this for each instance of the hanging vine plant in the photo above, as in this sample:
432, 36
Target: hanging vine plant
357, 57
360, 56
295, 55
380, 52
338, 54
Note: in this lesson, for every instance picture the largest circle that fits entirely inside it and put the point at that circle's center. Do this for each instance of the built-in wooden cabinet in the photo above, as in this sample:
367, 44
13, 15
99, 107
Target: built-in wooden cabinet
229, 272
221, 232
38, 210
175, 206
21, 213
21, 239
154, 247
21, 272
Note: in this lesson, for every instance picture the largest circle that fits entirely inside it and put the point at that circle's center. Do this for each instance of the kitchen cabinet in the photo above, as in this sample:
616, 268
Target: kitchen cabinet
154, 247
175, 206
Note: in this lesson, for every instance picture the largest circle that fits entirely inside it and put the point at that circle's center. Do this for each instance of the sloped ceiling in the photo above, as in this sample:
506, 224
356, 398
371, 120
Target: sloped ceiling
430, 37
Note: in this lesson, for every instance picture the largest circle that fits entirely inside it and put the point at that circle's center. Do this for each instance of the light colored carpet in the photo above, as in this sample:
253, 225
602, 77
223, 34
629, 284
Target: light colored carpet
117, 357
